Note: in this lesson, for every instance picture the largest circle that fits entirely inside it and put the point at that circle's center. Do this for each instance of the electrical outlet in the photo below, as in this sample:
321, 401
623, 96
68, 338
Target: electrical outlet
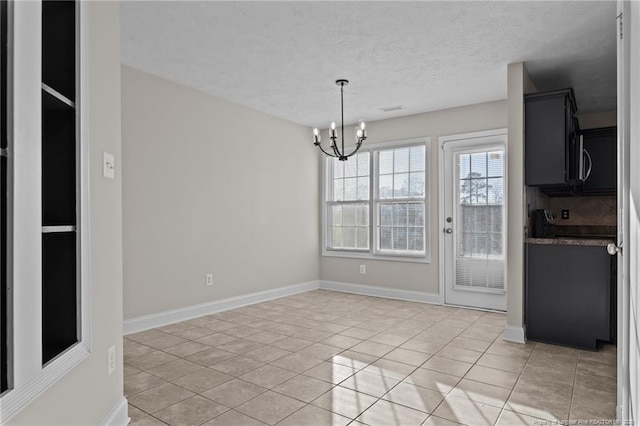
209, 279
111, 359
363, 269
565, 214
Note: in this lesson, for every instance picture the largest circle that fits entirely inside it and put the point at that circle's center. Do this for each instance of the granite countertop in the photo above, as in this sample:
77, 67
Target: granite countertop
567, 241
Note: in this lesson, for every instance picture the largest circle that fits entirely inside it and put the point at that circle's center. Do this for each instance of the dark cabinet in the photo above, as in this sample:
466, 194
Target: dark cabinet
600, 147
568, 294
550, 141
60, 179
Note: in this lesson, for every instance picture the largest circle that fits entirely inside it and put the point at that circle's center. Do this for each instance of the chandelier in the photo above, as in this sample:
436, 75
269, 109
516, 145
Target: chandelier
339, 152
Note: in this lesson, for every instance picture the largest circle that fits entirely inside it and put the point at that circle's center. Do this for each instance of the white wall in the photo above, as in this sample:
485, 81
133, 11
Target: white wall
398, 275
86, 395
211, 186
518, 84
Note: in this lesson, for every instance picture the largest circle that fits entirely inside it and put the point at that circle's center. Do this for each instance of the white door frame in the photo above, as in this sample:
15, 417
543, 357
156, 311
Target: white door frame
628, 17
441, 199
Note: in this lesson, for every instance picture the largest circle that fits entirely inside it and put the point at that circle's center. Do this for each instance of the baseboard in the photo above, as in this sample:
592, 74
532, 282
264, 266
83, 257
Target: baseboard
386, 292
119, 414
148, 322
514, 333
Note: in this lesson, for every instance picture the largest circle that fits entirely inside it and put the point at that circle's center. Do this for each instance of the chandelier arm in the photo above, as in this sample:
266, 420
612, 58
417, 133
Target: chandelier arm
327, 153
335, 148
358, 145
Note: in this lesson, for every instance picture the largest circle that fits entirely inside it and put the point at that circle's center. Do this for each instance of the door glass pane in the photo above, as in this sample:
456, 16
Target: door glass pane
479, 214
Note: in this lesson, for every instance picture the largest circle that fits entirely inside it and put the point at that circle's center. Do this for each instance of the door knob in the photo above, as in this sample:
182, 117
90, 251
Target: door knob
448, 230
613, 249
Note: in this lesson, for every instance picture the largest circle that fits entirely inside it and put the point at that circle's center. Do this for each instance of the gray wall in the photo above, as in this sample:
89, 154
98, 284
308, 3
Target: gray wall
86, 394
422, 277
211, 186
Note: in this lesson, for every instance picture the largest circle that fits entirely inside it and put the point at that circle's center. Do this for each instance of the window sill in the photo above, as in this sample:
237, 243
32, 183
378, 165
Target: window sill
370, 256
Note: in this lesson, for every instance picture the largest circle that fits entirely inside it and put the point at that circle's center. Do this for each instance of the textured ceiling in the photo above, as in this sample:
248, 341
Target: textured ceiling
283, 57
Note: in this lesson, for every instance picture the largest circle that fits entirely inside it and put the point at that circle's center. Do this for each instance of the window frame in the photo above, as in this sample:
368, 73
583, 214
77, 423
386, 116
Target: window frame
373, 253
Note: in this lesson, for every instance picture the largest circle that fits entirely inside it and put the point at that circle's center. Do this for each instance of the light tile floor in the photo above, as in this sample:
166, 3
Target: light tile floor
328, 358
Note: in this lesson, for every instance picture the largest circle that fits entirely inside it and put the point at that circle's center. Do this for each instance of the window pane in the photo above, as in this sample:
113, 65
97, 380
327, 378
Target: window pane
465, 192
386, 214
416, 158
386, 186
349, 237
338, 168
416, 214
480, 190
363, 188
386, 239
336, 215
363, 164
338, 190
399, 238
400, 214
362, 215
349, 215
416, 184
416, 239
479, 164
336, 238
464, 166
400, 185
495, 163
350, 189
362, 236
495, 191
386, 162
401, 160
350, 167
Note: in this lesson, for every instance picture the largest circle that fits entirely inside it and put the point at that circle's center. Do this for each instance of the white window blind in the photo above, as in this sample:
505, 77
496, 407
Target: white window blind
480, 217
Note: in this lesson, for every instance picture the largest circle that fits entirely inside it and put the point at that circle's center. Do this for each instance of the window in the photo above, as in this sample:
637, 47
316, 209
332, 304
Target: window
375, 202
348, 226
481, 210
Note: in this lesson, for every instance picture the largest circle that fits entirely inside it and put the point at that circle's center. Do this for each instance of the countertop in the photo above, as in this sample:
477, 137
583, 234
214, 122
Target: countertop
567, 241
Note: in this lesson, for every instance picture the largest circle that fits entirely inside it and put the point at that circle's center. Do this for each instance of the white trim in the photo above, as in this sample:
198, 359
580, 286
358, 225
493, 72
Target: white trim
386, 292
15, 400
372, 253
119, 414
148, 322
31, 378
463, 138
513, 333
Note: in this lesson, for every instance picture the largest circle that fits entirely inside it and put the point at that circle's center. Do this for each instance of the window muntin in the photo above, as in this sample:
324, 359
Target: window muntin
378, 209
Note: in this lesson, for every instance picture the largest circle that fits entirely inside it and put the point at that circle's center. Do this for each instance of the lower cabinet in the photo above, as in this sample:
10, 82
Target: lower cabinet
569, 294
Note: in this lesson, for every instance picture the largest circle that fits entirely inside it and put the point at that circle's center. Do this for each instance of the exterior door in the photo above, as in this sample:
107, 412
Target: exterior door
473, 222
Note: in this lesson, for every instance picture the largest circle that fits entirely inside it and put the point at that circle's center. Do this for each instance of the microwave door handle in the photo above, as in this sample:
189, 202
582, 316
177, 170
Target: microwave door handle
581, 173
588, 157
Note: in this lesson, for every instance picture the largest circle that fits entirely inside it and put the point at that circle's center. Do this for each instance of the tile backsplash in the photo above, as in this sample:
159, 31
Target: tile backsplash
584, 211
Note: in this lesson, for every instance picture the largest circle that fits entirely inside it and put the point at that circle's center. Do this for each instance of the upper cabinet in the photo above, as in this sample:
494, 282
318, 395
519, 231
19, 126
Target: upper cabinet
550, 141
600, 151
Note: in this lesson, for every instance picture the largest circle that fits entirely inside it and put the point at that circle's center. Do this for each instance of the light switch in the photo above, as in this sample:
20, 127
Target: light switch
108, 165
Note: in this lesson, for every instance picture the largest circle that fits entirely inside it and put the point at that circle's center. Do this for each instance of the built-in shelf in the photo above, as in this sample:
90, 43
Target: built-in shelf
59, 96
54, 229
